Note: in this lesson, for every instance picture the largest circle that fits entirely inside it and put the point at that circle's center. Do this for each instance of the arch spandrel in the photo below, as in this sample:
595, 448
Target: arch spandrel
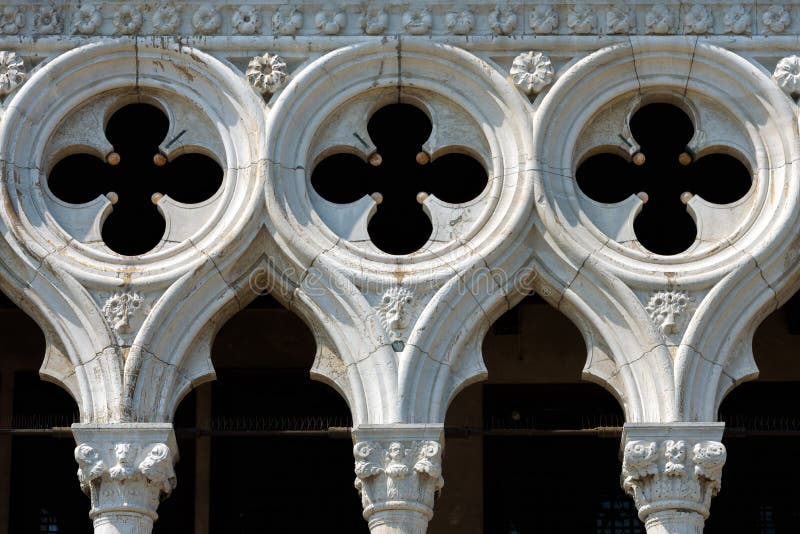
117, 320
725, 283
452, 288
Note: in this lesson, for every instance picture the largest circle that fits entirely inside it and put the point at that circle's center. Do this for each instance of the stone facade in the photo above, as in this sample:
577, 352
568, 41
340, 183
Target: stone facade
268, 91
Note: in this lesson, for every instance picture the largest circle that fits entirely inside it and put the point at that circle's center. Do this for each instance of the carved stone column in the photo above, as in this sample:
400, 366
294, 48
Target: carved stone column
672, 470
126, 469
398, 472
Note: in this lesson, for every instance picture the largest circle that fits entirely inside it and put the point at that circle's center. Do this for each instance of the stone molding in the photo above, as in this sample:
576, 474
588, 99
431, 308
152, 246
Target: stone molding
471, 19
126, 470
672, 471
398, 472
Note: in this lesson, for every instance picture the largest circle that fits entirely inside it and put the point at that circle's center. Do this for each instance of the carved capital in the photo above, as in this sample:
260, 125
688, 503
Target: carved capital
398, 471
126, 469
672, 471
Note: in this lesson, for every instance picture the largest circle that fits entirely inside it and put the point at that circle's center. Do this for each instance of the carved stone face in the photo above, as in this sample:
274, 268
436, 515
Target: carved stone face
396, 451
394, 308
118, 310
668, 310
123, 451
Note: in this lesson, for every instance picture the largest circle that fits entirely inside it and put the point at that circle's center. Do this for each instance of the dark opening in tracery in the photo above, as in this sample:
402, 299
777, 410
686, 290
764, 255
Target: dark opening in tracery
399, 226
668, 170
135, 174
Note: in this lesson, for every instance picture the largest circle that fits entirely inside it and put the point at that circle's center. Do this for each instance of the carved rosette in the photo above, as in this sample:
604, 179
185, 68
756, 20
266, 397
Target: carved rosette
776, 19
398, 477
126, 470
672, 480
532, 72
266, 73
787, 75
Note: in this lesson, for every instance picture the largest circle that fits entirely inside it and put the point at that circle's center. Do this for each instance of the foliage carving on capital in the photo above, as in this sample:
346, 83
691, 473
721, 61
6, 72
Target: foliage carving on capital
672, 474
144, 475
391, 473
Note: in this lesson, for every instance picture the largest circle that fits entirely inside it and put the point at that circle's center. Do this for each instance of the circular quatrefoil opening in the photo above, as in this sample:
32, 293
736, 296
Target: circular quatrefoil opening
134, 177
399, 175
666, 174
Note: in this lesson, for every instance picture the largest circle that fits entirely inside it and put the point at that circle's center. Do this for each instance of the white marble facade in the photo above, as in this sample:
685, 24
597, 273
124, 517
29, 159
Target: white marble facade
529, 89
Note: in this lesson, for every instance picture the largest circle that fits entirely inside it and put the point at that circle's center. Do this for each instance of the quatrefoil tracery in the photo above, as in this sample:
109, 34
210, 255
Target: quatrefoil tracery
134, 178
666, 175
399, 176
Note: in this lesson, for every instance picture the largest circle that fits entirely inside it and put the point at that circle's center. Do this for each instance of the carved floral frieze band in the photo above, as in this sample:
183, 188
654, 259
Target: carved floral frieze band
375, 18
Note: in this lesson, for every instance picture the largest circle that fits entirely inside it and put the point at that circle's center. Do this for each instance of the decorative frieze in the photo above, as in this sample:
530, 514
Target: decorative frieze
698, 20
12, 72
672, 471
659, 20
776, 19
246, 20
737, 19
398, 472
383, 17
126, 470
